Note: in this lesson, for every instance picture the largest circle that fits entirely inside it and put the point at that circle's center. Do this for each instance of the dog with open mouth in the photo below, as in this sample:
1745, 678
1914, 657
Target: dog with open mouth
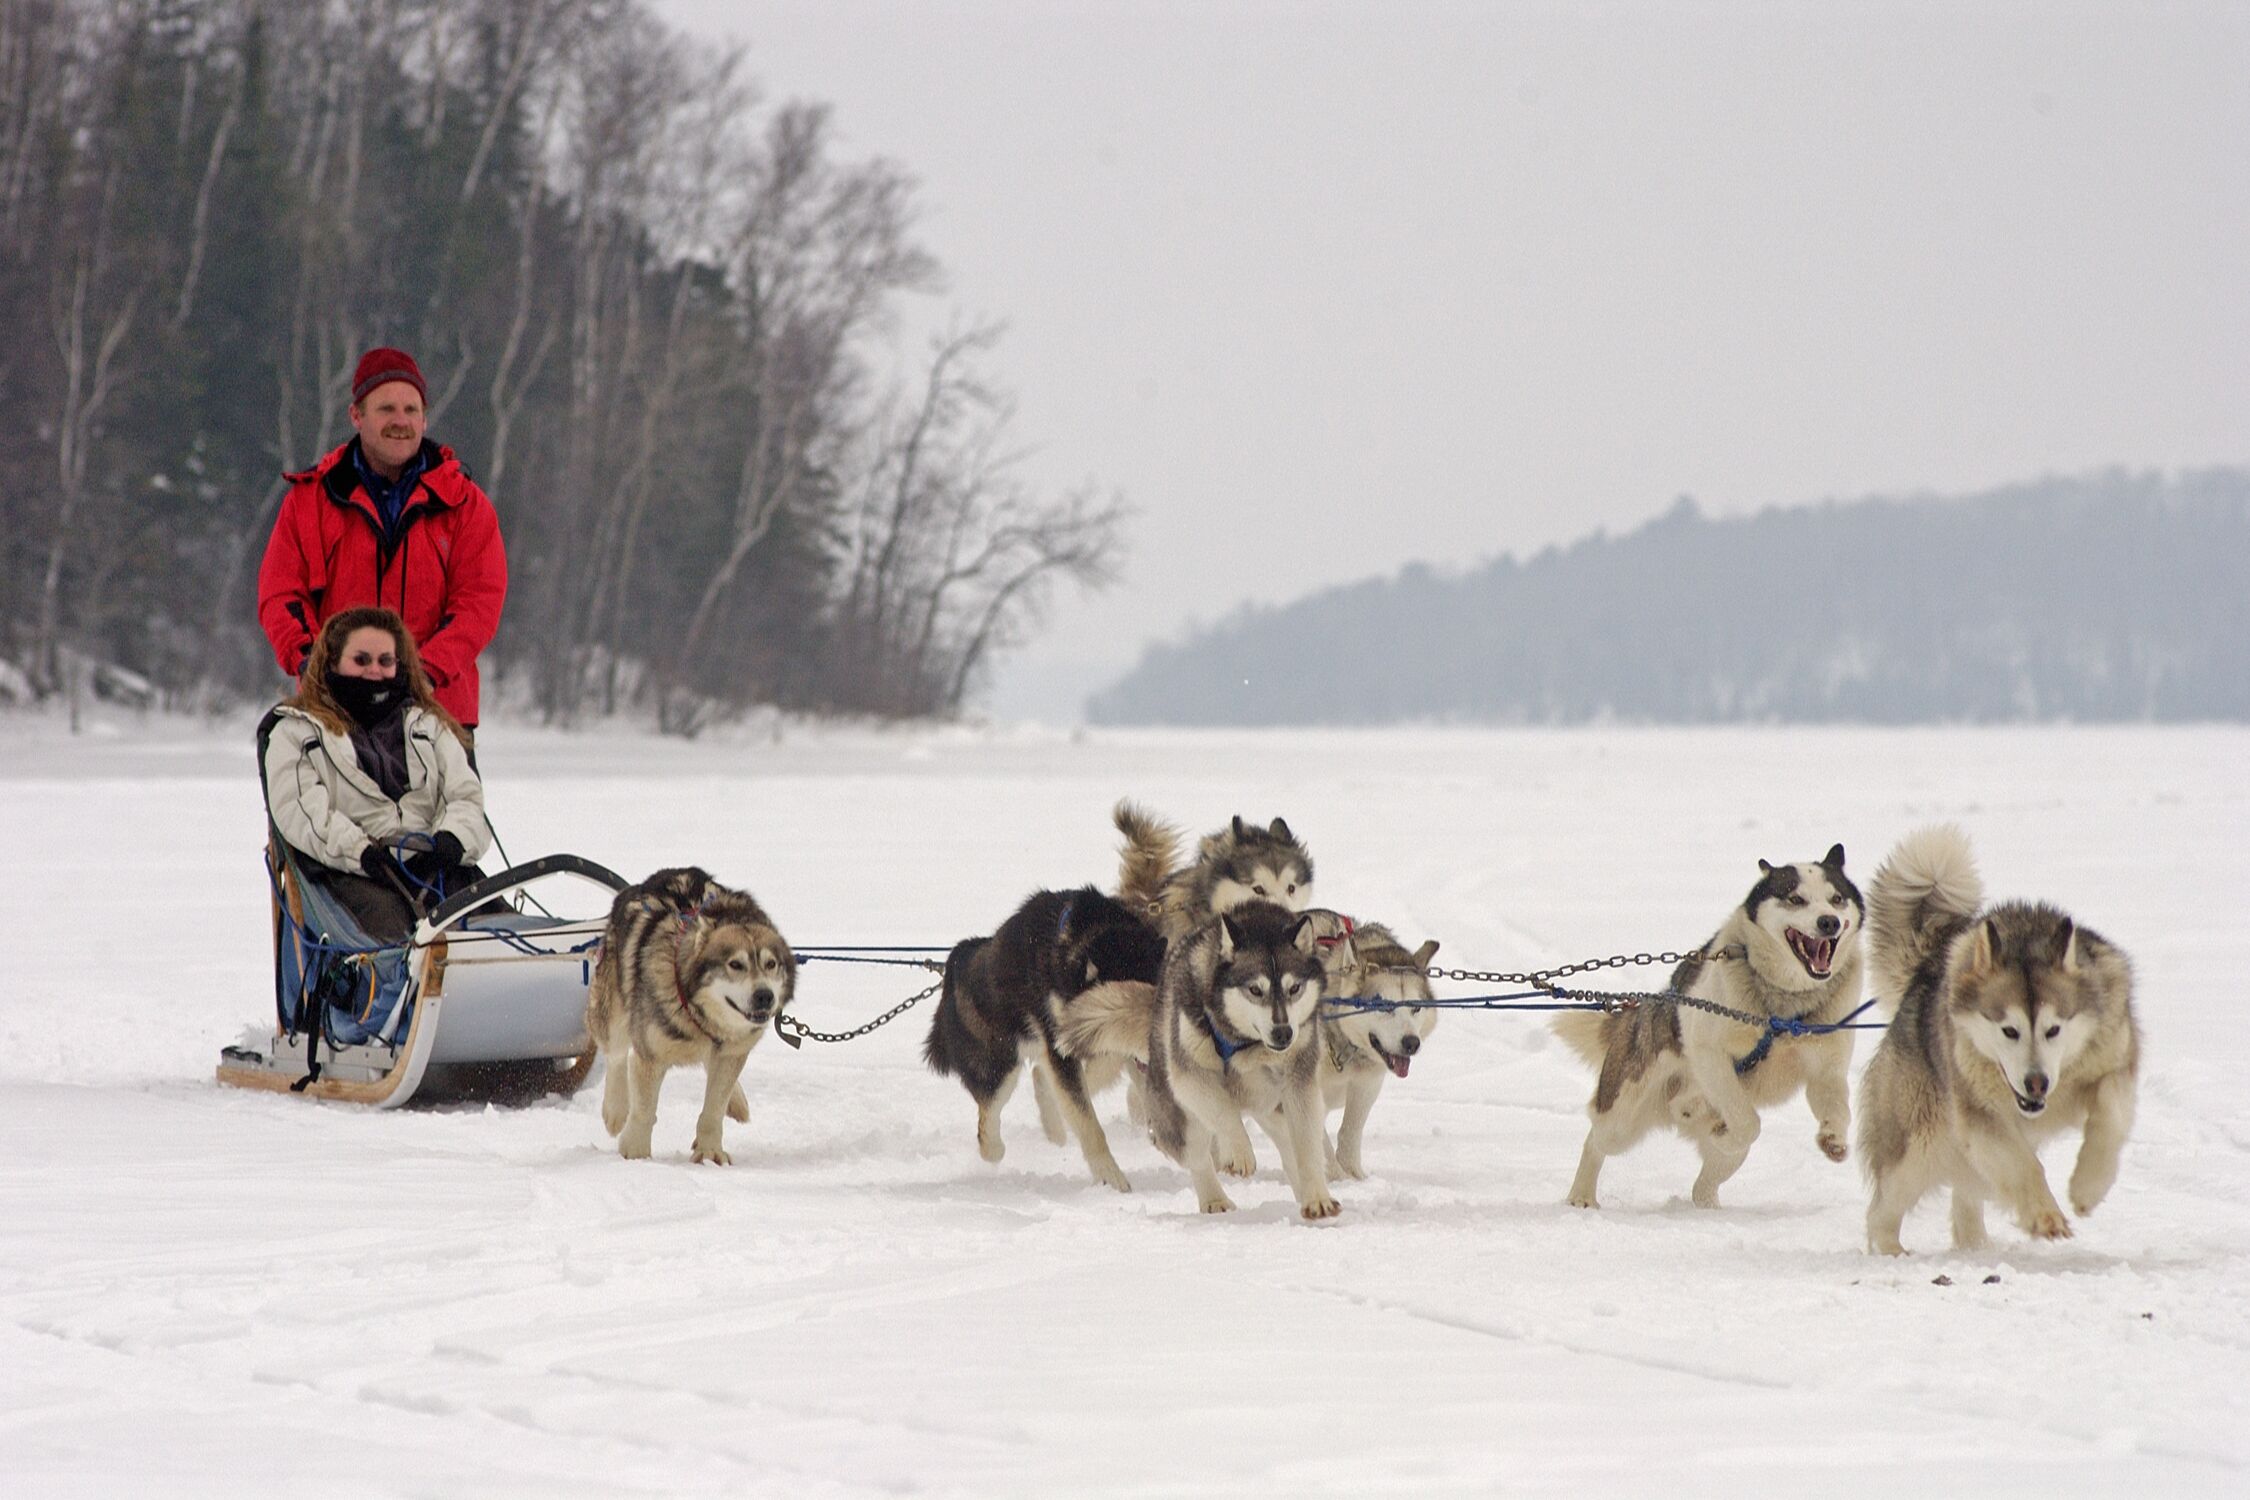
1372, 1027
1791, 952
691, 971
2014, 1023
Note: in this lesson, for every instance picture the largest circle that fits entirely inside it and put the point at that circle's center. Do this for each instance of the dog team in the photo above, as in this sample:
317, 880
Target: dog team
1221, 996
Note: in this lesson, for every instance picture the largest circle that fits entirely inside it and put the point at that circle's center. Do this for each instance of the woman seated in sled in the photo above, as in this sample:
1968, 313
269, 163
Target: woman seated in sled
368, 778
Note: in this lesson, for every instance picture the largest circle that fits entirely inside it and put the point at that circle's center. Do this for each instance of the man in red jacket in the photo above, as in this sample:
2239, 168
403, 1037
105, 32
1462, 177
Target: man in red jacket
391, 519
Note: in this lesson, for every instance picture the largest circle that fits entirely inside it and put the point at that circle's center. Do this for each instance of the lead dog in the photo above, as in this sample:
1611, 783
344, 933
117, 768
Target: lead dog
1790, 950
690, 972
2013, 1023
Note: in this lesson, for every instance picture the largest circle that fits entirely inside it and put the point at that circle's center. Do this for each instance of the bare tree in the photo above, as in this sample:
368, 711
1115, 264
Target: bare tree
953, 554
822, 250
90, 328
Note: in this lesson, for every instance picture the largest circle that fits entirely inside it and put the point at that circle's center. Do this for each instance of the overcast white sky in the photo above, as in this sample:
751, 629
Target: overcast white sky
1328, 288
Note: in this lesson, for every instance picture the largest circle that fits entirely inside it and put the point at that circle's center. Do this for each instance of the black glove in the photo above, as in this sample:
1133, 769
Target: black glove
447, 848
383, 867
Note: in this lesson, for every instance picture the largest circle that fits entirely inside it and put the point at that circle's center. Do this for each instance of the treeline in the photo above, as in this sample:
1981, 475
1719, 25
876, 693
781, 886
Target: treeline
652, 307
2113, 596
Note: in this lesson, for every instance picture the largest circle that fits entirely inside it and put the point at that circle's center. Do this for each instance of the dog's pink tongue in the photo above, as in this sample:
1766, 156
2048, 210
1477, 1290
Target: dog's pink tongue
1400, 1063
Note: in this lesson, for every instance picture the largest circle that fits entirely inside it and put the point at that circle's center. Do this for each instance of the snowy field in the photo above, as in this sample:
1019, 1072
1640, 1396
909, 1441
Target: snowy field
205, 1291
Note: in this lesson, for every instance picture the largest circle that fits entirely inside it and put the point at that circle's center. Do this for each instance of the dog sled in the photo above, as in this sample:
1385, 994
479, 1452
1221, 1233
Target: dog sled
486, 993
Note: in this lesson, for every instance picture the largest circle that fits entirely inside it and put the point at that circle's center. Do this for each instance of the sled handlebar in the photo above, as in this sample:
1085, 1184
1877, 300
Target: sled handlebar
512, 879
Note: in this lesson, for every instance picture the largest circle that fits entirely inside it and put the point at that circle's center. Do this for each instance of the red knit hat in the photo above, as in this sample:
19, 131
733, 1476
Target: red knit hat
380, 366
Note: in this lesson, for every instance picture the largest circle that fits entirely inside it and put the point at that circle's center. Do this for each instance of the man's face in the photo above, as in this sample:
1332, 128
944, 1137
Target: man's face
390, 422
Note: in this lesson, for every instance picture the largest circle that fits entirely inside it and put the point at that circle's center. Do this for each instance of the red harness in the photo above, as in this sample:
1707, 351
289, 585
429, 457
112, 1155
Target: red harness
679, 951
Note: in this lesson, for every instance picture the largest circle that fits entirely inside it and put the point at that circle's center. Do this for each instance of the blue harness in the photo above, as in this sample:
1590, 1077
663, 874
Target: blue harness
1779, 1026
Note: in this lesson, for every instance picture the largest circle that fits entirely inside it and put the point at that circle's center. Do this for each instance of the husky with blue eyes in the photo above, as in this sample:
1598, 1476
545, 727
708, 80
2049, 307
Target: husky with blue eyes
2013, 1023
1790, 951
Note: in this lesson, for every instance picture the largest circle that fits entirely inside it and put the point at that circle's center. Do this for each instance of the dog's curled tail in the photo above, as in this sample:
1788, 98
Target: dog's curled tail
1584, 1033
1145, 862
1927, 883
1109, 1020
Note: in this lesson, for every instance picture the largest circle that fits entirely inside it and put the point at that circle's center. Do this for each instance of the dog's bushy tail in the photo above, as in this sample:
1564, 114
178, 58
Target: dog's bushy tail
945, 1021
1927, 883
1146, 861
1584, 1033
1109, 1020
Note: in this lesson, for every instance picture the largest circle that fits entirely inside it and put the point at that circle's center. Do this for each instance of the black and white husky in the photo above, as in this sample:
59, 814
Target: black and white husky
1235, 1032
1790, 950
1005, 995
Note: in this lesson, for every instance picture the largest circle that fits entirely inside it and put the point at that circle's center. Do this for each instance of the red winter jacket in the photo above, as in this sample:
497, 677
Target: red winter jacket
441, 567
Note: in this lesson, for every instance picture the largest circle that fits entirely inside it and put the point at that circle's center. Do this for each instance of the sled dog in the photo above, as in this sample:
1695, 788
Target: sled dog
1005, 995
1241, 862
1790, 950
1235, 1031
2012, 1023
690, 972
1360, 1048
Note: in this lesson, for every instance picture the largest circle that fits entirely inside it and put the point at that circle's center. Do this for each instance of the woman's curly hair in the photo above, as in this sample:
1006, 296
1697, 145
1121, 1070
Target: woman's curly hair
312, 693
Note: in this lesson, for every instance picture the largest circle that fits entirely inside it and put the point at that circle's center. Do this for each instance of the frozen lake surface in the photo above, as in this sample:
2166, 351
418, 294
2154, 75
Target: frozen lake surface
205, 1291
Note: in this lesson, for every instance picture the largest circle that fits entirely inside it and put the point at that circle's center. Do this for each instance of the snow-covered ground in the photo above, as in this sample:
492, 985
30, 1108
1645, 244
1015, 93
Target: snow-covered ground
212, 1292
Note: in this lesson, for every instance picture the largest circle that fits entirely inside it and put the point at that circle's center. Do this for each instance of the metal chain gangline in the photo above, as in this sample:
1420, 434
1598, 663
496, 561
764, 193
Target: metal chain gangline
796, 1032
1543, 979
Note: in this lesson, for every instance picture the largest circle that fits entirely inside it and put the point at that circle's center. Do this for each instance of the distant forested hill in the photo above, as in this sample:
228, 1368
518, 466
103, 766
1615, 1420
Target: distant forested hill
2112, 596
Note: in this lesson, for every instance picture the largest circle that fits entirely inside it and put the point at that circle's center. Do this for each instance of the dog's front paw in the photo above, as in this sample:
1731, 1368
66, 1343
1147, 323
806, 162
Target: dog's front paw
738, 1106
613, 1117
1890, 1246
1583, 1199
1235, 1158
1218, 1203
715, 1155
1704, 1197
633, 1144
1109, 1174
2087, 1191
1834, 1145
2046, 1223
1348, 1164
1321, 1207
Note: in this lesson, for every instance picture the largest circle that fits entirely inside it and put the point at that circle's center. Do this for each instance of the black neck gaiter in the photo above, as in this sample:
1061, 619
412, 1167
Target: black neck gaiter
368, 700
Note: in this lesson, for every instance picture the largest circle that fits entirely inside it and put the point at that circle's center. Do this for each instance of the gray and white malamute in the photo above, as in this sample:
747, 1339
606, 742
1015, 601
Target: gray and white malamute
1235, 1031
2013, 1023
1791, 949
1362, 1048
1242, 862
690, 972
1006, 995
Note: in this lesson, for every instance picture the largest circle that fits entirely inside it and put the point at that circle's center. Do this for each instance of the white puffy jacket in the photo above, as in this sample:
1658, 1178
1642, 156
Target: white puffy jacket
330, 809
